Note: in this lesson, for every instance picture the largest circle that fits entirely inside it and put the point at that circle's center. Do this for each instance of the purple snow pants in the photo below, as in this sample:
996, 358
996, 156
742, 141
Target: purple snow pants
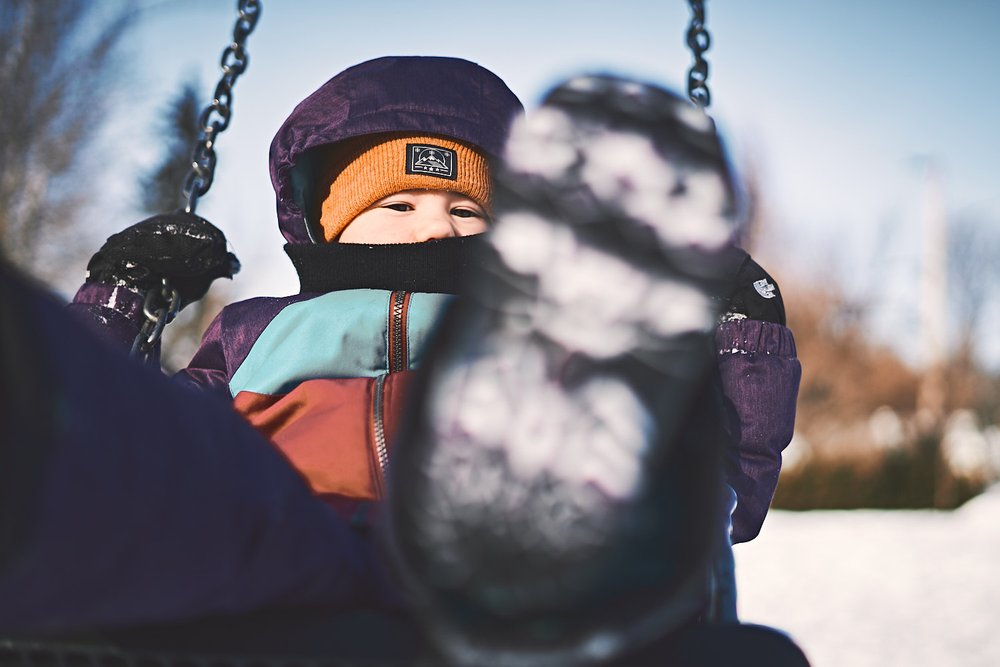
127, 499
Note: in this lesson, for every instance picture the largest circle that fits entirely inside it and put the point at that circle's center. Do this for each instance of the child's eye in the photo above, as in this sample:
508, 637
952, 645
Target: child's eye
466, 213
398, 206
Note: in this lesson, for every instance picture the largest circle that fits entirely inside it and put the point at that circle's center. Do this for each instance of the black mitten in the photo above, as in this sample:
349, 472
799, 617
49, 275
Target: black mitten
755, 294
186, 249
749, 291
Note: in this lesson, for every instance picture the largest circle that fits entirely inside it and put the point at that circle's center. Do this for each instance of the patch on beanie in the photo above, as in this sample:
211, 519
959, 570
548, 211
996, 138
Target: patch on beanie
431, 161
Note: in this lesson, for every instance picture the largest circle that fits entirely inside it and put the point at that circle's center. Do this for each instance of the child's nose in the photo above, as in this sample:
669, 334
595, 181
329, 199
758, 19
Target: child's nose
436, 225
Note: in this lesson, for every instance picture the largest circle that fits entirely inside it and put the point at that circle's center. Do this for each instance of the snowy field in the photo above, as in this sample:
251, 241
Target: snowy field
873, 588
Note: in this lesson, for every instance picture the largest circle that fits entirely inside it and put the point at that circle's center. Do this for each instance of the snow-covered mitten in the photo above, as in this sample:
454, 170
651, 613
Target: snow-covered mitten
754, 294
182, 247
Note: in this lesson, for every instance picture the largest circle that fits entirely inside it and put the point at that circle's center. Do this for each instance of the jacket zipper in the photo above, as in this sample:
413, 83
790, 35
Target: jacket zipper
381, 449
398, 305
397, 361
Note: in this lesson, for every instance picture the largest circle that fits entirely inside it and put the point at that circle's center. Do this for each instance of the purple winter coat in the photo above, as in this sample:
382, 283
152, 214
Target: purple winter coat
760, 380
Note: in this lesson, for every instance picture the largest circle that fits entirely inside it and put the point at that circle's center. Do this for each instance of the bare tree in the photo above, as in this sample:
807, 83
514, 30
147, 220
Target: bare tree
56, 70
973, 275
973, 248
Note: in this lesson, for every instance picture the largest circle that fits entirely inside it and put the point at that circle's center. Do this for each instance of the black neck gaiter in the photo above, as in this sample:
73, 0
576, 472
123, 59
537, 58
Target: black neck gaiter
435, 266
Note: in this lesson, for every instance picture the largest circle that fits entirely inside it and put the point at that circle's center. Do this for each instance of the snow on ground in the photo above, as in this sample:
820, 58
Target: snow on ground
879, 588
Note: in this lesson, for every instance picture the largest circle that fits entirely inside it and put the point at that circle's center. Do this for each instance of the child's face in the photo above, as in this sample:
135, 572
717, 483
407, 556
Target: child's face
415, 216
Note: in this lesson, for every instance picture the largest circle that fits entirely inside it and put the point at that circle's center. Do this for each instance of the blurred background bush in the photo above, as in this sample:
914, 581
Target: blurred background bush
875, 431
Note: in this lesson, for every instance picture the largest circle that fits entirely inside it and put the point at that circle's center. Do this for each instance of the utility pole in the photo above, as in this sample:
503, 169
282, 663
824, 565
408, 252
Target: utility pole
934, 312
934, 316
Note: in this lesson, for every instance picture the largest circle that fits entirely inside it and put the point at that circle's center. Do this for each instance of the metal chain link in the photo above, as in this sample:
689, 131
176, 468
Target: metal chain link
160, 306
216, 116
698, 41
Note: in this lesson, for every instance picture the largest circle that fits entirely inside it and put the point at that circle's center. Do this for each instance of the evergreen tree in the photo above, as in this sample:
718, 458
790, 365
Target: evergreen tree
161, 187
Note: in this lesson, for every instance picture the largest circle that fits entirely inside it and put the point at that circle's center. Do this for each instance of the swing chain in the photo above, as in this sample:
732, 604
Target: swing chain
698, 41
160, 306
215, 117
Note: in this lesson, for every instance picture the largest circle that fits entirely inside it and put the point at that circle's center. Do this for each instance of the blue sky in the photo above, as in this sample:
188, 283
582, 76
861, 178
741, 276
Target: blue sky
835, 104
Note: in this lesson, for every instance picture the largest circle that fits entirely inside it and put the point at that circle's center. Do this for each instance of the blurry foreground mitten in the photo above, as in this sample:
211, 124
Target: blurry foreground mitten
753, 293
188, 250
555, 499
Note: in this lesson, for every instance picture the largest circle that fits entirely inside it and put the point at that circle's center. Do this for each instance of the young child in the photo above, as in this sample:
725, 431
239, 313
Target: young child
380, 176
383, 179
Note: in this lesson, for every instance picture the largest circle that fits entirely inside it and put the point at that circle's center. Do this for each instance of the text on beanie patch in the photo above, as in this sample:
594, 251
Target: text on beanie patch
431, 161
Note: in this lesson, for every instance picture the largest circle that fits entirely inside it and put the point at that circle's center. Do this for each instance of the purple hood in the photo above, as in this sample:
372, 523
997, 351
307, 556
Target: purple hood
431, 95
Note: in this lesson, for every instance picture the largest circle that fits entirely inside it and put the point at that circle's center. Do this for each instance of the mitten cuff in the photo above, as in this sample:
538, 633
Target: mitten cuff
749, 336
118, 298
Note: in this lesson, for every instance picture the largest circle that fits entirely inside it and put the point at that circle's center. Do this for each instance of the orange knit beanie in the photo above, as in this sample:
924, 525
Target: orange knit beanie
368, 168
